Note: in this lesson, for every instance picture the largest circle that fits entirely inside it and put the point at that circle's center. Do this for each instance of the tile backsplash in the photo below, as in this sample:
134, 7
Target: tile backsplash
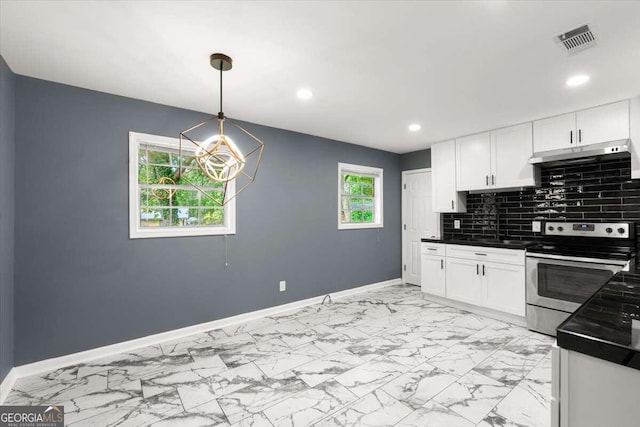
597, 191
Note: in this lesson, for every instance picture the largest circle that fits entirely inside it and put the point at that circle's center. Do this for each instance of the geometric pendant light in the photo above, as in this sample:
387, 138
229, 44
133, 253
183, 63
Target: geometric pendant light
217, 157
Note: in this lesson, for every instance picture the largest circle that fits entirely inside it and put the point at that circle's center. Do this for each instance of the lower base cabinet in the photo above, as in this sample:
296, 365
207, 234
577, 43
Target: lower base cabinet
432, 278
503, 288
463, 281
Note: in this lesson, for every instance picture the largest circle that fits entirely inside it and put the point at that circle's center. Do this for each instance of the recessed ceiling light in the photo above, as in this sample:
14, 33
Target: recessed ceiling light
305, 94
578, 80
414, 127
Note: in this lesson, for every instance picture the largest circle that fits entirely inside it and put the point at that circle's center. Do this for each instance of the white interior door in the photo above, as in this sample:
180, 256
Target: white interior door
418, 221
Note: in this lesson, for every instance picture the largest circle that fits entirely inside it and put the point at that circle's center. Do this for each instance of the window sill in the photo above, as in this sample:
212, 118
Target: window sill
179, 232
352, 226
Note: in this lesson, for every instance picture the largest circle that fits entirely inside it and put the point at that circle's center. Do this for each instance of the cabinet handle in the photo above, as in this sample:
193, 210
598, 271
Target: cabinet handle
579, 135
493, 180
479, 253
486, 178
441, 264
452, 204
477, 269
432, 249
570, 137
483, 269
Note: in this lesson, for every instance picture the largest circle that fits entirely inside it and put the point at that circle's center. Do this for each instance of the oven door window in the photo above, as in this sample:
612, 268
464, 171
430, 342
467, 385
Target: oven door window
568, 283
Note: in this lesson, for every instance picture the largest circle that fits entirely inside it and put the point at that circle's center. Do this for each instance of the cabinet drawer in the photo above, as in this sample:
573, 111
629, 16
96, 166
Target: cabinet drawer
432, 248
488, 254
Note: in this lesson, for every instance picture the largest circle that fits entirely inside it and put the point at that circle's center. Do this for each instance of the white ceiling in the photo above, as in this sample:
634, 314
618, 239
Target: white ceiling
374, 66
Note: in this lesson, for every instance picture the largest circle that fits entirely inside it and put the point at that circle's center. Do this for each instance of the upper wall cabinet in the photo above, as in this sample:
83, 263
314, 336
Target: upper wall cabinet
510, 151
600, 124
473, 162
496, 160
443, 173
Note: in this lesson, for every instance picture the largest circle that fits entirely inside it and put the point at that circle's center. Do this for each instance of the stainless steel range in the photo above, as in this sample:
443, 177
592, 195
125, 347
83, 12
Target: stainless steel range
571, 264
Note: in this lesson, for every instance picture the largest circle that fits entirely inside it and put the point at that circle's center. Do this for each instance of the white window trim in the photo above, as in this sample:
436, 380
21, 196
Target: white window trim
378, 221
138, 232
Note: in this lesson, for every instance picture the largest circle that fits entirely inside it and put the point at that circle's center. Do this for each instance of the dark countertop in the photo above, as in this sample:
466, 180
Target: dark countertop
602, 326
489, 243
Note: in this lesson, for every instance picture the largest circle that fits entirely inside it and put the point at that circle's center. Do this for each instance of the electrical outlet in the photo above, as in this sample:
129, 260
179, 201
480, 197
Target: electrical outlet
456, 224
536, 226
283, 286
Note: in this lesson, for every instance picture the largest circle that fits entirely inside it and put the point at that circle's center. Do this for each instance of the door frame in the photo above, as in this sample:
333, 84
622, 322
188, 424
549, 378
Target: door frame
403, 213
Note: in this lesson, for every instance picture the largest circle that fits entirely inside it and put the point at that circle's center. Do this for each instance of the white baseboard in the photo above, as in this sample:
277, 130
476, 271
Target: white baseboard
7, 384
494, 314
48, 365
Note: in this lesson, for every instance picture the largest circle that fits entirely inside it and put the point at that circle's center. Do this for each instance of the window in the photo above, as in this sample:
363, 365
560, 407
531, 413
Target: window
359, 196
161, 201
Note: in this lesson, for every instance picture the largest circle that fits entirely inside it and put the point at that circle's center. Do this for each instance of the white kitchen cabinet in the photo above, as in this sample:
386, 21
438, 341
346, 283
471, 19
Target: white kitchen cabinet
496, 160
601, 124
433, 280
608, 122
503, 287
443, 174
511, 149
634, 129
554, 133
473, 162
487, 277
463, 280
591, 392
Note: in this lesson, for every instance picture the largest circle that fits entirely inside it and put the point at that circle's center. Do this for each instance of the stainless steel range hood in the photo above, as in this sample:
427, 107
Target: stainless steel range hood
583, 153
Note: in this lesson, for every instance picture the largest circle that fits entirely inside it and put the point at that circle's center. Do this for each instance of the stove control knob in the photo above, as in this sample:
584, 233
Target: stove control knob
609, 230
560, 228
621, 230
550, 228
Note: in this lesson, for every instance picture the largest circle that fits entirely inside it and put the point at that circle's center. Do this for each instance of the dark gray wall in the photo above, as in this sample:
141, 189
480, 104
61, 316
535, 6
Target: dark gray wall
80, 281
7, 203
415, 160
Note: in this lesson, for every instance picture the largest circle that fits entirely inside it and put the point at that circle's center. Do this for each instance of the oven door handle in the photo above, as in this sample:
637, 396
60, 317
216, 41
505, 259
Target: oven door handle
616, 263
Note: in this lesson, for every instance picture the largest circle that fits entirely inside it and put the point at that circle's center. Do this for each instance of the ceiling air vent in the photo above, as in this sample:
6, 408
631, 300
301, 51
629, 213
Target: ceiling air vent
577, 40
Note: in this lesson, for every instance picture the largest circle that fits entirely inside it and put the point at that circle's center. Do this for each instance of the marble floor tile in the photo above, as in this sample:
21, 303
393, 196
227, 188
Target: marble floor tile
434, 415
376, 409
370, 376
257, 397
307, 407
417, 387
473, 396
459, 359
327, 367
390, 357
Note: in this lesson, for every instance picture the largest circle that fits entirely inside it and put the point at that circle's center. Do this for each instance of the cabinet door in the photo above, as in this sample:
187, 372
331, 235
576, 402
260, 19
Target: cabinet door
443, 174
510, 151
473, 162
432, 275
601, 124
554, 133
503, 287
463, 280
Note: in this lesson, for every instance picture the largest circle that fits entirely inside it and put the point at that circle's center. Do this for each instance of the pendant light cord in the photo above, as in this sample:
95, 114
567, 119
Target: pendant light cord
221, 65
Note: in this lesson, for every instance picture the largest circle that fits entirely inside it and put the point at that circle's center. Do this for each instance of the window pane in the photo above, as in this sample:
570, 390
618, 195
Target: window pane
156, 197
155, 173
346, 188
212, 216
159, 157
345, 215
356, 189
367, 216
356, 216
350, 177
366, 180
367, 190
212, 198
142, 156
154, 217
367, 204
186, 198
195, 176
